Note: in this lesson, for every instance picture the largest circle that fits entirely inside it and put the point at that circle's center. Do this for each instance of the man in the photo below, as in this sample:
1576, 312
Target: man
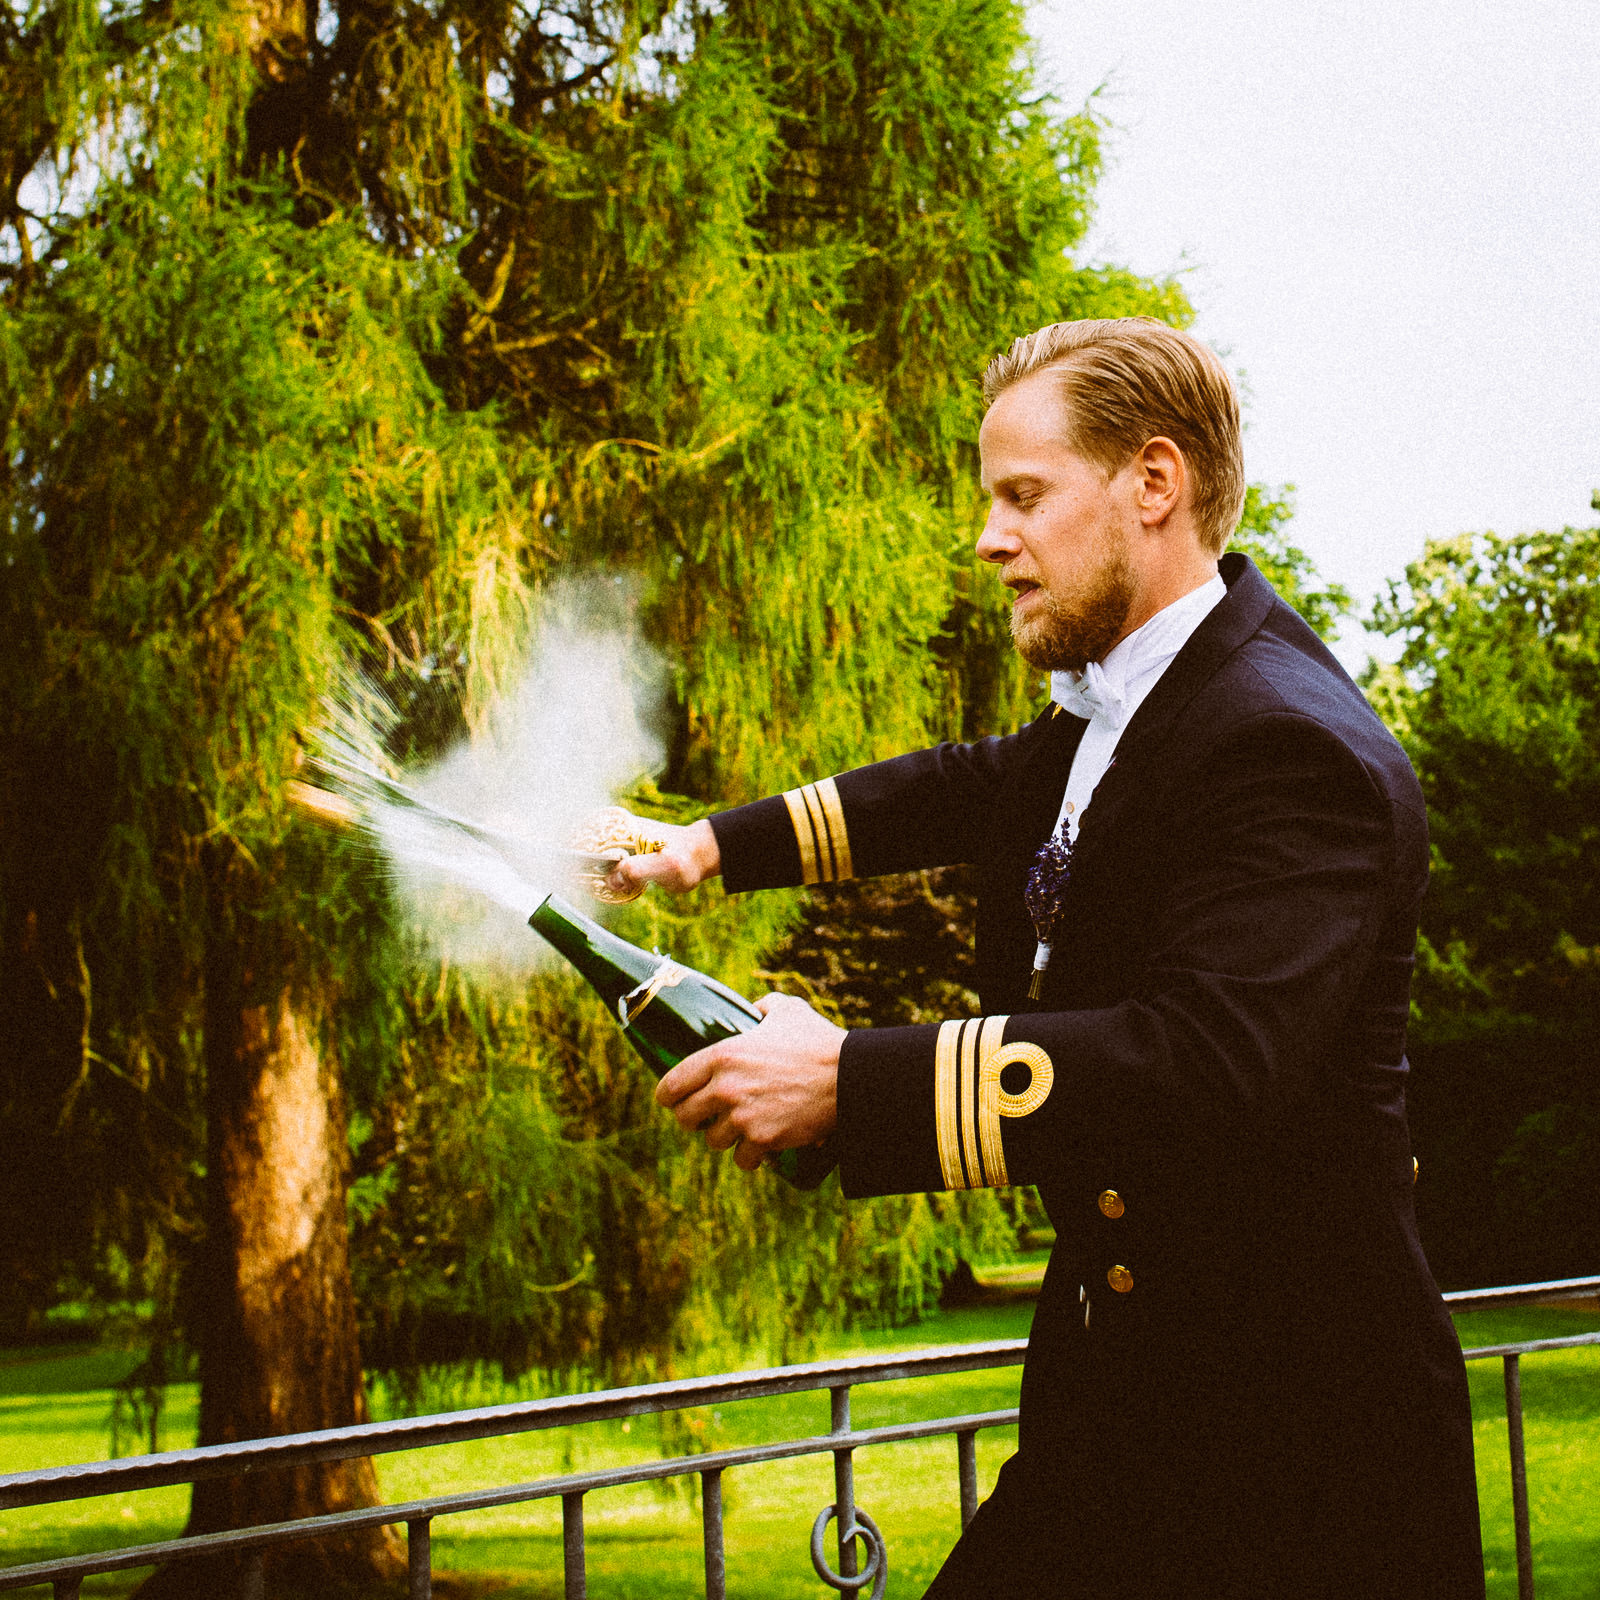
1241, 1379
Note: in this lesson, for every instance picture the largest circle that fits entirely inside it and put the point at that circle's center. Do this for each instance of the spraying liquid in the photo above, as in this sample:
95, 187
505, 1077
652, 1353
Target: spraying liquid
473, 842
473, 878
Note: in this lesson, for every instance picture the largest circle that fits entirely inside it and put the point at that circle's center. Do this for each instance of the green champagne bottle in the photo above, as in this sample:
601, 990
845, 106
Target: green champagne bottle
666, 1011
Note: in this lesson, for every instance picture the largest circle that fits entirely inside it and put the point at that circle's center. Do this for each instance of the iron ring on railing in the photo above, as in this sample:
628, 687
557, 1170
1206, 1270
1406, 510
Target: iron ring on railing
864, 1529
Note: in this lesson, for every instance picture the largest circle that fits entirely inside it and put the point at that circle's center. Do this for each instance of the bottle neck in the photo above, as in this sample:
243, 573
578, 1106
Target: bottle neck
611, 964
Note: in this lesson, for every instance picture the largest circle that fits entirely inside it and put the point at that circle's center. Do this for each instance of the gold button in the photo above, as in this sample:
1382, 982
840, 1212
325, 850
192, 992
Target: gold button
1111, 1204
1415, 1169
1120, 1279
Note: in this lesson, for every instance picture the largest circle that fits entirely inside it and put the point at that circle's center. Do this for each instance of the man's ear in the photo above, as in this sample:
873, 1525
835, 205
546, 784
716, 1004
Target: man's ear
1163, 479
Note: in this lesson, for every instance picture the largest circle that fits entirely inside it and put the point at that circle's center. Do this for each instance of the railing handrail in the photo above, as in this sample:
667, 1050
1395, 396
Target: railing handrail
67, 1572
85, 1480
838, 1377
272, 1533
1522, 1294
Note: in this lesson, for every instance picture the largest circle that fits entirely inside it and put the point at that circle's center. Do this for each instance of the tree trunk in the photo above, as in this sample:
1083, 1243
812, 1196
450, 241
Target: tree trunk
272, 1305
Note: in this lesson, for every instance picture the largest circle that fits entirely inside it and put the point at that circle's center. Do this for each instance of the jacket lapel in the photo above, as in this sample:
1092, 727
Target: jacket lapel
1235, 619
1044, 780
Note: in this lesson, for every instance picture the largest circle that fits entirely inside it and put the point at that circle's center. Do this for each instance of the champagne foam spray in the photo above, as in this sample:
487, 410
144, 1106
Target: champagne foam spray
573, 726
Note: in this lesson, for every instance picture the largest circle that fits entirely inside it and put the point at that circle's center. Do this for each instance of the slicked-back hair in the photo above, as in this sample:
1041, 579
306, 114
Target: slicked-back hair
1127, 380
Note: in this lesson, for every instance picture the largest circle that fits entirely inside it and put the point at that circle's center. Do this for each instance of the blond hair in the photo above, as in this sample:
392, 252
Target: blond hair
1127, 380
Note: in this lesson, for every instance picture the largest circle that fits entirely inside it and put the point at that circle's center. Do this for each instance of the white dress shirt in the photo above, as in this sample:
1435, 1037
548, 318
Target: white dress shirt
1107, 693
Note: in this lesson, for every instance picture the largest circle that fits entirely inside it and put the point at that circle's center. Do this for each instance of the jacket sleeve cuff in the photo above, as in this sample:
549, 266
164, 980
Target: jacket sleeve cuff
791, 839
928, 1107
887, 1135
757, 847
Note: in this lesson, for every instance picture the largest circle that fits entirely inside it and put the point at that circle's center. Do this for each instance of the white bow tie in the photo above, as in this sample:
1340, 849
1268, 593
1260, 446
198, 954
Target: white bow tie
1090, 694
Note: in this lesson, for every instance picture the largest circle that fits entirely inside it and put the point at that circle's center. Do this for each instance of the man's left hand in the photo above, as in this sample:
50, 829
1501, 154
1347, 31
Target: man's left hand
774, 1088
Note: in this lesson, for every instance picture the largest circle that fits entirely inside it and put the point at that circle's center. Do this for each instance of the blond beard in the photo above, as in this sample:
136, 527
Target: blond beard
1066, 635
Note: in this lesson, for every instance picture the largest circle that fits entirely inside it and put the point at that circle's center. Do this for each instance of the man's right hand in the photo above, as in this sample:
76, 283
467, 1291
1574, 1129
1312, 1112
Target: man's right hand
688, 858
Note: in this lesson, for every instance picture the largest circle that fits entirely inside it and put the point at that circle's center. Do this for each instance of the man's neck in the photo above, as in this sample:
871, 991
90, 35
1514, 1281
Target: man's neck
1166, 591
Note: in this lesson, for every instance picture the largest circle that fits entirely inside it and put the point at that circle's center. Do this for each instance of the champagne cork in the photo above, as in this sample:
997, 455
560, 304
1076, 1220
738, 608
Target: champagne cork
322, 805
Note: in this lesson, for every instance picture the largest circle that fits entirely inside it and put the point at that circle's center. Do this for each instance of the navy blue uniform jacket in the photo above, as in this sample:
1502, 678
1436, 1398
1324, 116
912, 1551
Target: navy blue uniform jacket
1241, 1377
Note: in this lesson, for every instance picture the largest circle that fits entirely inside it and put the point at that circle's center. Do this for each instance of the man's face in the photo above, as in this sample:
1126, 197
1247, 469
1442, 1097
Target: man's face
1058, 529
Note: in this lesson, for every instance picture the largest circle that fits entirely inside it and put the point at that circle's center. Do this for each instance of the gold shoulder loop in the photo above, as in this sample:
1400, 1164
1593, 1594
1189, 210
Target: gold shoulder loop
1037, 1060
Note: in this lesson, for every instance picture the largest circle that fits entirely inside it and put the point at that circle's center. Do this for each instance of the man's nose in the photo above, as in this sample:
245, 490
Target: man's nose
997, 543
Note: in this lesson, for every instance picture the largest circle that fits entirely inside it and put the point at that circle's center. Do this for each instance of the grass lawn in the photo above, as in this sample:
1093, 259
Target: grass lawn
645, 1541
1561, 1419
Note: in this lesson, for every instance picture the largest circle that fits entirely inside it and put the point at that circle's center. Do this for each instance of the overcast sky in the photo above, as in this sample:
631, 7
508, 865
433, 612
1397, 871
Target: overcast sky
1388, 218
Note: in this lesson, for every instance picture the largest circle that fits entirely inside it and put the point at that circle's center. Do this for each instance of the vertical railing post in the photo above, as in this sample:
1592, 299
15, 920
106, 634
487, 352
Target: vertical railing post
419, 1558
844, 1482
572, 1546
66, 1588
255, 1576
1519, 1477
711, 1520
967, 1471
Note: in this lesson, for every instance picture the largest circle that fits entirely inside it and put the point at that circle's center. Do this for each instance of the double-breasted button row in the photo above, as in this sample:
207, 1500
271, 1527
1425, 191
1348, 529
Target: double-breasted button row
1111, 1205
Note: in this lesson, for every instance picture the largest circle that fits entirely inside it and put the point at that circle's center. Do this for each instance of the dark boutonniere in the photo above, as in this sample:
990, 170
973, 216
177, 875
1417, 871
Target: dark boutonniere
1046, 897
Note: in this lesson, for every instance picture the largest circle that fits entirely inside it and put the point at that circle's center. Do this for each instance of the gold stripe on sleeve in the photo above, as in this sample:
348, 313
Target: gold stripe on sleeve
944, 1104
825, 867
833, 811
802, 835
968, 1098
994, 1157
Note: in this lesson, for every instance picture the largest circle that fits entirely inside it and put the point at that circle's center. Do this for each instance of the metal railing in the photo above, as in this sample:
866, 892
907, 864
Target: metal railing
852, 1575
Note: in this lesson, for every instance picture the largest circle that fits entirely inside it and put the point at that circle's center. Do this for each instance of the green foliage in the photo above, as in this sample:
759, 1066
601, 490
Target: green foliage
810, 248
1262, 536
1496, 696
339, 332
585, 1232
224, 463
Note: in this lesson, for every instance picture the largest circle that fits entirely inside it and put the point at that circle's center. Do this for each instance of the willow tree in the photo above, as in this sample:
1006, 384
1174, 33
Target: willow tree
737, 290
334, 328
224, 463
